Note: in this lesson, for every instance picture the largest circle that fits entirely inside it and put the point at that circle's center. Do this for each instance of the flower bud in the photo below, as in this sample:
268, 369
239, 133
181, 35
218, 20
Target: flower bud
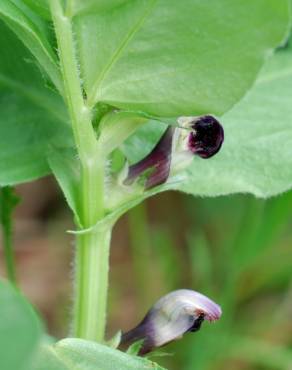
172, 316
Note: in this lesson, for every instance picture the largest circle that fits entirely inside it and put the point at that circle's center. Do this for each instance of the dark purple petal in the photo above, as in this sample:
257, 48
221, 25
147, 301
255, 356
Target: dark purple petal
197, 324
207, 137
158, 161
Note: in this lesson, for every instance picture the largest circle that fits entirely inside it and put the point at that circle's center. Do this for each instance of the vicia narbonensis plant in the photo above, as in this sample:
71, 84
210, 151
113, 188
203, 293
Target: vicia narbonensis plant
118, 100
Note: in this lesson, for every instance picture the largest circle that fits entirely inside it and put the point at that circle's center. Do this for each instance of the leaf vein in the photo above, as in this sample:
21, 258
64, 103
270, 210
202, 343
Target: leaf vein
93, 96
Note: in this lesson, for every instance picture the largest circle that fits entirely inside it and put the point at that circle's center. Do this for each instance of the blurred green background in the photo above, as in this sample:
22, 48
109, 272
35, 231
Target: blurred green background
236, 249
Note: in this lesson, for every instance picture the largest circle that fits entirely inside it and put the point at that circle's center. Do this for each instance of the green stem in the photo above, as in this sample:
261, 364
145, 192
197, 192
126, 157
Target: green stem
91, 284
9, 254
7, 203
92, 249
80, 114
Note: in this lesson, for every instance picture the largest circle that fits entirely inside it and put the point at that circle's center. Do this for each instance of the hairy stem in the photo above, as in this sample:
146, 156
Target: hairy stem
92, 282
92, 248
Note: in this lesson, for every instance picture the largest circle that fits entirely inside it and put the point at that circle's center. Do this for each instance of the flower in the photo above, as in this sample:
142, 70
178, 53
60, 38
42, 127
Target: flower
172, 316
202, 136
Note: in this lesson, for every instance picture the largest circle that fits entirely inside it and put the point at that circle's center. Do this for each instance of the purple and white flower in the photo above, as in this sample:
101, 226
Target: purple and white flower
201, 136
172, 316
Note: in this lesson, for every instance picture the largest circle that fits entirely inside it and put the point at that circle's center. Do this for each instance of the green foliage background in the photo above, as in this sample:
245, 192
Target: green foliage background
151, 59
236, 249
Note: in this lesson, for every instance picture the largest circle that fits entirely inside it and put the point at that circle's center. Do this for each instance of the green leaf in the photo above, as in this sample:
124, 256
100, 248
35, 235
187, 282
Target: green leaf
20, 330
79, 354
35, 33
26, 130
33, 117
41, 7
115, 341
190, 57
87, 6
257, 154
135, 347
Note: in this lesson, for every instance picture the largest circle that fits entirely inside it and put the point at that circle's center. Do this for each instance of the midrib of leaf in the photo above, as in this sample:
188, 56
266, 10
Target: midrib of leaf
33, 95
93, 95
